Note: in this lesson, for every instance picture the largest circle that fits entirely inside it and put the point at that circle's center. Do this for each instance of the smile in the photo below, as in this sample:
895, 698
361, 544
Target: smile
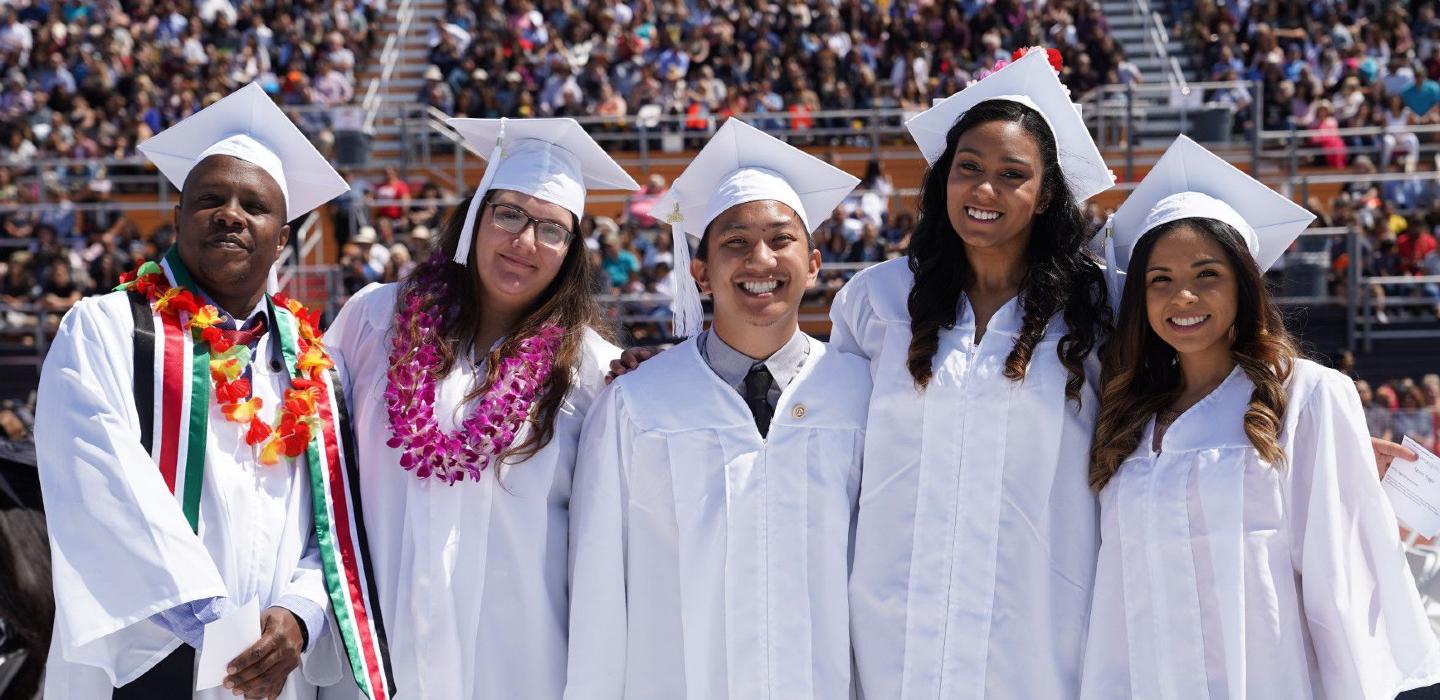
227, 243
761, 288
1187, 322
516, 262
982, 214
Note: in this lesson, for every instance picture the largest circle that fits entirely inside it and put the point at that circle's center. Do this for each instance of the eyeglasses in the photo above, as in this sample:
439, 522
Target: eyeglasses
514, 220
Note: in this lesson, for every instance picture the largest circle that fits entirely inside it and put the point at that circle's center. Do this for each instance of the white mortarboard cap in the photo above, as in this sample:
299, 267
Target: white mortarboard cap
1032, 82
741, 164
1191, 182
247, 125
549, 159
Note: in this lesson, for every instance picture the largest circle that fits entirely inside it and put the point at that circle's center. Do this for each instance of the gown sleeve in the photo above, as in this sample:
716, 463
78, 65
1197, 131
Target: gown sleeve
598, 525
1369, 630
351, 338
121, 547
854, 327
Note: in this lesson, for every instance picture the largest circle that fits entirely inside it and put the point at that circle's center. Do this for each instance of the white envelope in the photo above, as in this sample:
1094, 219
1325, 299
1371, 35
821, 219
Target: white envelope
225, 638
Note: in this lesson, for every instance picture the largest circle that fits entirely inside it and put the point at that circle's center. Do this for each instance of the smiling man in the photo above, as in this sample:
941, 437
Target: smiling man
714, 496
183, 422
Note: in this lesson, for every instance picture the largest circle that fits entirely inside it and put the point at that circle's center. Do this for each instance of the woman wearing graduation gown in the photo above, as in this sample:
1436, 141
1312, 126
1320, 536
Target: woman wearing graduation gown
1247, 548
469, 381
975, 549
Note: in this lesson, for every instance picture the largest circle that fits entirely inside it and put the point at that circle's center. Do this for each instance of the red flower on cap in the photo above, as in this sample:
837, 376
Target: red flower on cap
1051, 55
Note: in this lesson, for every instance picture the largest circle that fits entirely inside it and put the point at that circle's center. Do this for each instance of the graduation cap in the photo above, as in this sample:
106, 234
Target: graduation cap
1030, 81
247, 125
741, 164
1191, 182
549, 159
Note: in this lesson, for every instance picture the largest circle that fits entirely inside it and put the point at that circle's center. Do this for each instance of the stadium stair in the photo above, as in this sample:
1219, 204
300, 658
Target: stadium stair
406, 79
1156, 123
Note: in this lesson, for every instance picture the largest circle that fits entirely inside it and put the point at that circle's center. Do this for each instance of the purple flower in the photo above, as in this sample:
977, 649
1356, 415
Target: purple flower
495, 420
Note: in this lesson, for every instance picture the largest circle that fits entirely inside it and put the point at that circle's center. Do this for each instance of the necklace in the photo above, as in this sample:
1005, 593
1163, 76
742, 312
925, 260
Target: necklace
297, 420
410, 393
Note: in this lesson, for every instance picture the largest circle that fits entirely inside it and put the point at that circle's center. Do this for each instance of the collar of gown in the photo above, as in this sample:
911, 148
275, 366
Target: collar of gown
1008, 319
1216, 421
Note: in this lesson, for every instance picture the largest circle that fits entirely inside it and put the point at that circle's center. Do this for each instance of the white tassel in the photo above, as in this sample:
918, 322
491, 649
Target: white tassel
1112, 270
688, 311
467, 231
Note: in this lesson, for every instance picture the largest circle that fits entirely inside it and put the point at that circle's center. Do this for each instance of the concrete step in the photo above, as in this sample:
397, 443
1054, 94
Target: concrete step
1127, 23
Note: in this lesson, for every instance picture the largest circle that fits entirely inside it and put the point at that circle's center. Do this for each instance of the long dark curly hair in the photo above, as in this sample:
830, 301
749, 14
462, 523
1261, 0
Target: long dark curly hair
1141, 372
568, 301
1061, 275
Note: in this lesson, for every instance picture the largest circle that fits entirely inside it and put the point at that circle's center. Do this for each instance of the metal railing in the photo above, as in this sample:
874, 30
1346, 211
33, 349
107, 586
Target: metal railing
306, 238
389, 58
1159, 46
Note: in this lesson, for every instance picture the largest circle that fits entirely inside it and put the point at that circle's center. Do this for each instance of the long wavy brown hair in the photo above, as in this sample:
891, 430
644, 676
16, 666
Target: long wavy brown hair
1061, 276
568, 301
1140, 376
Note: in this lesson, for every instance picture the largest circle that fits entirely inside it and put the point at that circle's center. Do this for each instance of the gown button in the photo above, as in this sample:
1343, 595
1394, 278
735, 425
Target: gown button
798, 411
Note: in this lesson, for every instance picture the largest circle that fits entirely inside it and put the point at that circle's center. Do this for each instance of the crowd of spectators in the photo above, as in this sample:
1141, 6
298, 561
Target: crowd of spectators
1404, 408
1325, 66
1398, 408
1396, 224
93, 79
701, 60
51, 256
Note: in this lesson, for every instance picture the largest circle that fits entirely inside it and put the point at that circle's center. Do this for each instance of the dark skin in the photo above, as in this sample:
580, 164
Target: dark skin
261, 670
230, 228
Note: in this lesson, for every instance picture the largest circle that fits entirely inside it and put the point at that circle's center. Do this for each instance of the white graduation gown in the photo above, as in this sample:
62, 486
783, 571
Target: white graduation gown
471, 577
1224, 577
122, 549
975, 551
709, 562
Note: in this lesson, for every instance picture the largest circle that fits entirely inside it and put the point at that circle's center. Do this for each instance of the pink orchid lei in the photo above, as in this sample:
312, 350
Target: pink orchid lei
496, 419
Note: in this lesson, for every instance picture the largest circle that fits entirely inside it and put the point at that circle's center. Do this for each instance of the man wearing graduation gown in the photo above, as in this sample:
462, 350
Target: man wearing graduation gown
162, 516
714, 497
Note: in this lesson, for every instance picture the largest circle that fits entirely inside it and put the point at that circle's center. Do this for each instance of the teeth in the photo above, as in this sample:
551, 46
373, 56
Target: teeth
760, 287
982, 214
1188, 320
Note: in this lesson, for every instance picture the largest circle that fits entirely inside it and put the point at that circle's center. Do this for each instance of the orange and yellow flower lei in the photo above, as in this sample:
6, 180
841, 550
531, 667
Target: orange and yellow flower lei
298, 417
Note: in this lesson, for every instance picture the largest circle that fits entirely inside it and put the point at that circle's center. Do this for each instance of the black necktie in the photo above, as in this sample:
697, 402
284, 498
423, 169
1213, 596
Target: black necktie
757, 396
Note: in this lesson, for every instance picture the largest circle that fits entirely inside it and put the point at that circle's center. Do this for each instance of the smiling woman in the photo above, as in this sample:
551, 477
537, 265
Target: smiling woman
974, 549
1238, 490
469, 382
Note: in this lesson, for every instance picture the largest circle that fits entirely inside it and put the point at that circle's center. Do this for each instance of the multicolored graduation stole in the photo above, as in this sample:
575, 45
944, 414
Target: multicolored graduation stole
172, 396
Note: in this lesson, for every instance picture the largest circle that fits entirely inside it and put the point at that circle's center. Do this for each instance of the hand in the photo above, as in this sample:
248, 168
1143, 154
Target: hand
261, 670
630, 359
1385, 452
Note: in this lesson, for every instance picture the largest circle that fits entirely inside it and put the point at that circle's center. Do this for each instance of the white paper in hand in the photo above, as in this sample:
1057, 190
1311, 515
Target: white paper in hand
1414, 490
225, 638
